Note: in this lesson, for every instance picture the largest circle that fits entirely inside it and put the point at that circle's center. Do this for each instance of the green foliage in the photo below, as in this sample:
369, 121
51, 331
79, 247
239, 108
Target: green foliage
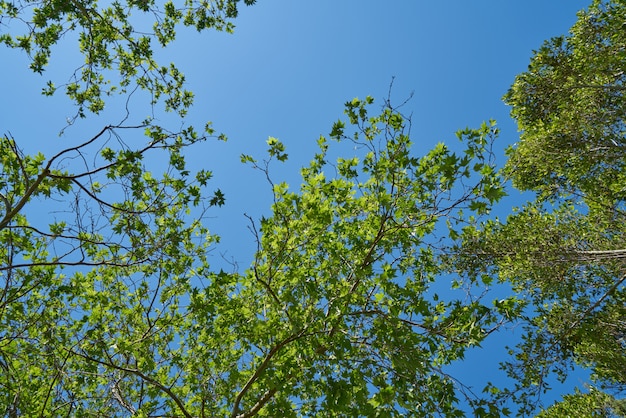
338, 316
110, 307
570, 107
594, 404
72, 288
564, 253
116, 46
90, 306
335, 316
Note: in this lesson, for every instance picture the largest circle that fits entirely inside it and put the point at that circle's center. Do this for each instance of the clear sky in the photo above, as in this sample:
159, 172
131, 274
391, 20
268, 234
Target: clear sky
290, 66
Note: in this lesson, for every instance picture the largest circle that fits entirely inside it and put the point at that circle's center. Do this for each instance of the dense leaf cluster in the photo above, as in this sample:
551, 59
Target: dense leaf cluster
567, 250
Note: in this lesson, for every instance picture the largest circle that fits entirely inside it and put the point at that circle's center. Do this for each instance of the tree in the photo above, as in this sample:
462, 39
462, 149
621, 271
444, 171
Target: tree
570, 107
113, 309
566, 251
338, 318
334, 316
109, 306
115, 228
592, 404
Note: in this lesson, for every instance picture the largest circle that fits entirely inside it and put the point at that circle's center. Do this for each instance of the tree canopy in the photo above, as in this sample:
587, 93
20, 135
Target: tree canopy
566, 250
110, 305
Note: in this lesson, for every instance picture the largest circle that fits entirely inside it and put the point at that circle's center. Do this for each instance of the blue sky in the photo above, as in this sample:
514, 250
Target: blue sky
291, 65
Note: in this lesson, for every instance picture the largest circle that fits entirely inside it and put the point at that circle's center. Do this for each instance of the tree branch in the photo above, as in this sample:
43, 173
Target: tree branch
257, 374
257, 407
142, 376
33, 187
